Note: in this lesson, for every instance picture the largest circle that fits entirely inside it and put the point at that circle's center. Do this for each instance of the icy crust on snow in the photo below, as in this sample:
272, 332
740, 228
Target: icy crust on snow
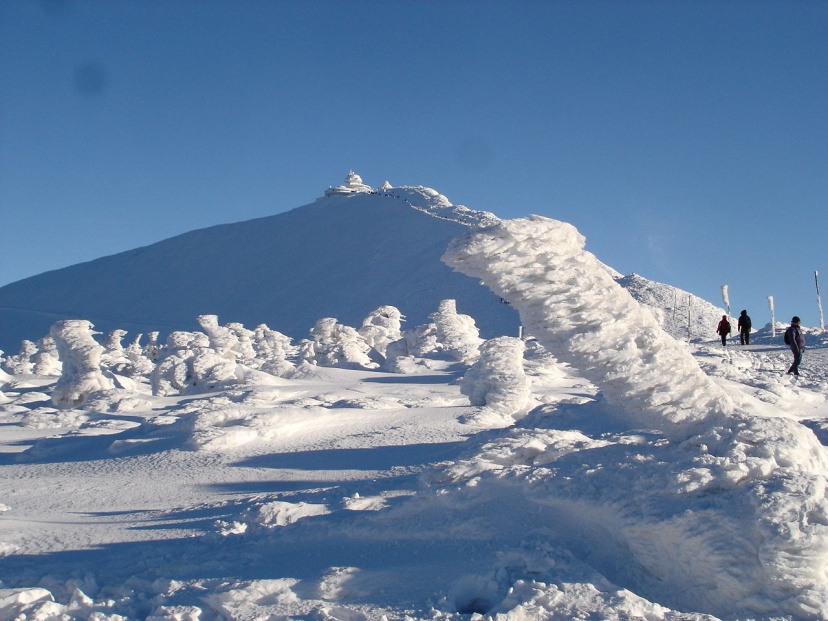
726, 514
569, 301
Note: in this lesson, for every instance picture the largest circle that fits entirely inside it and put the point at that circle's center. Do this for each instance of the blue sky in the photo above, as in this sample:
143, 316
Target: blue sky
688, 141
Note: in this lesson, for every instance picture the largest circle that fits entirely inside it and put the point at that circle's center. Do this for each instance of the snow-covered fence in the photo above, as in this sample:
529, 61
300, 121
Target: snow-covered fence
80, 355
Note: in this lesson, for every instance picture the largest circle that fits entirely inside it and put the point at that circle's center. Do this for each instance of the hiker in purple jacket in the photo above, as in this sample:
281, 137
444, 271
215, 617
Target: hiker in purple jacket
796, 340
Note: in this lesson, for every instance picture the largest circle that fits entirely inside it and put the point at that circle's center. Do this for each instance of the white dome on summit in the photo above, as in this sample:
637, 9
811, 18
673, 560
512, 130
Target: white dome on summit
353, 184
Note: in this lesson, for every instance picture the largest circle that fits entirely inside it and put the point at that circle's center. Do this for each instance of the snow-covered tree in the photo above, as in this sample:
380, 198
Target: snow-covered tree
21, 363
335, 345
127, 361
222, 339
80, 355
498, 380
457, 333
244, 349
189, 364
272, 350
381, 327
46, 361
152, 350
4, 376
38, 358
113, 342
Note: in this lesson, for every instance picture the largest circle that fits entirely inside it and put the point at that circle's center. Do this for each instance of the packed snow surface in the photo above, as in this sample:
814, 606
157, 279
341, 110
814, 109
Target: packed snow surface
598, 468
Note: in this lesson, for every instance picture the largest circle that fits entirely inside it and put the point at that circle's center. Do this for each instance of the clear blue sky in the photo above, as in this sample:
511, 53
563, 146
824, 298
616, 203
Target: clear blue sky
688, 141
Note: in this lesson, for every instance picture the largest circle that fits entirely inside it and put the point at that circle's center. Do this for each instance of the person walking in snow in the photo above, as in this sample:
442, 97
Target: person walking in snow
723, 329
796, 341
744, 328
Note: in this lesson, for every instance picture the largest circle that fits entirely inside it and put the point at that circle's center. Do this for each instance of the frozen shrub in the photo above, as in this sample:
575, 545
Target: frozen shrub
80, 355
188, 364
381, 327
133, 360
152, 350
46, 361
335, 345
113, 343
21, 363
497, 380
457, 333
222, 339
244, 350
272, 350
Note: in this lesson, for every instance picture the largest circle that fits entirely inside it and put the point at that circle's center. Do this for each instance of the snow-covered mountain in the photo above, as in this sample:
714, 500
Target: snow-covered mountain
349, 252
354, 249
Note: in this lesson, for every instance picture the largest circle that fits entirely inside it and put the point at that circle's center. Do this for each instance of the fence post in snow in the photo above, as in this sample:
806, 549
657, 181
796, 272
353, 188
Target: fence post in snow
689, 306
726, 300
773, 317
819, 302
675, 304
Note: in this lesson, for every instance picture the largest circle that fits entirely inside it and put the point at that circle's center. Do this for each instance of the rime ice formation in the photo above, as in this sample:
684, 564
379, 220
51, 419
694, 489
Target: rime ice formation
747, 528
568, 300
81, 356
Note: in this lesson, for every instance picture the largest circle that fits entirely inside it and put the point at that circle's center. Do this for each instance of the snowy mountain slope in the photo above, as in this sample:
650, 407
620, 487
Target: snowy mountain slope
342, 256
683, 315
351, 251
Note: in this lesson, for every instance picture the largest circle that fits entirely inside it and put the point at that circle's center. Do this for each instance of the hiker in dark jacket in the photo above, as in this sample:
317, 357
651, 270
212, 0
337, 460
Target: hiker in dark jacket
744, 328
723, 329
796, 341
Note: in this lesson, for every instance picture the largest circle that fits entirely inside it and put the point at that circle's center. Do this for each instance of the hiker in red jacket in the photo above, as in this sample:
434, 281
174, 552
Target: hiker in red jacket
723, 329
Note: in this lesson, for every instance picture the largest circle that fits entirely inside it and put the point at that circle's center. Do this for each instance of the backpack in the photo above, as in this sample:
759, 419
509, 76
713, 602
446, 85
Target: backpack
788, 336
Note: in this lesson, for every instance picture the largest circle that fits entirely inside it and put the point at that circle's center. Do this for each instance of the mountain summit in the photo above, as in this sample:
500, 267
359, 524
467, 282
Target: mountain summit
352, 250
